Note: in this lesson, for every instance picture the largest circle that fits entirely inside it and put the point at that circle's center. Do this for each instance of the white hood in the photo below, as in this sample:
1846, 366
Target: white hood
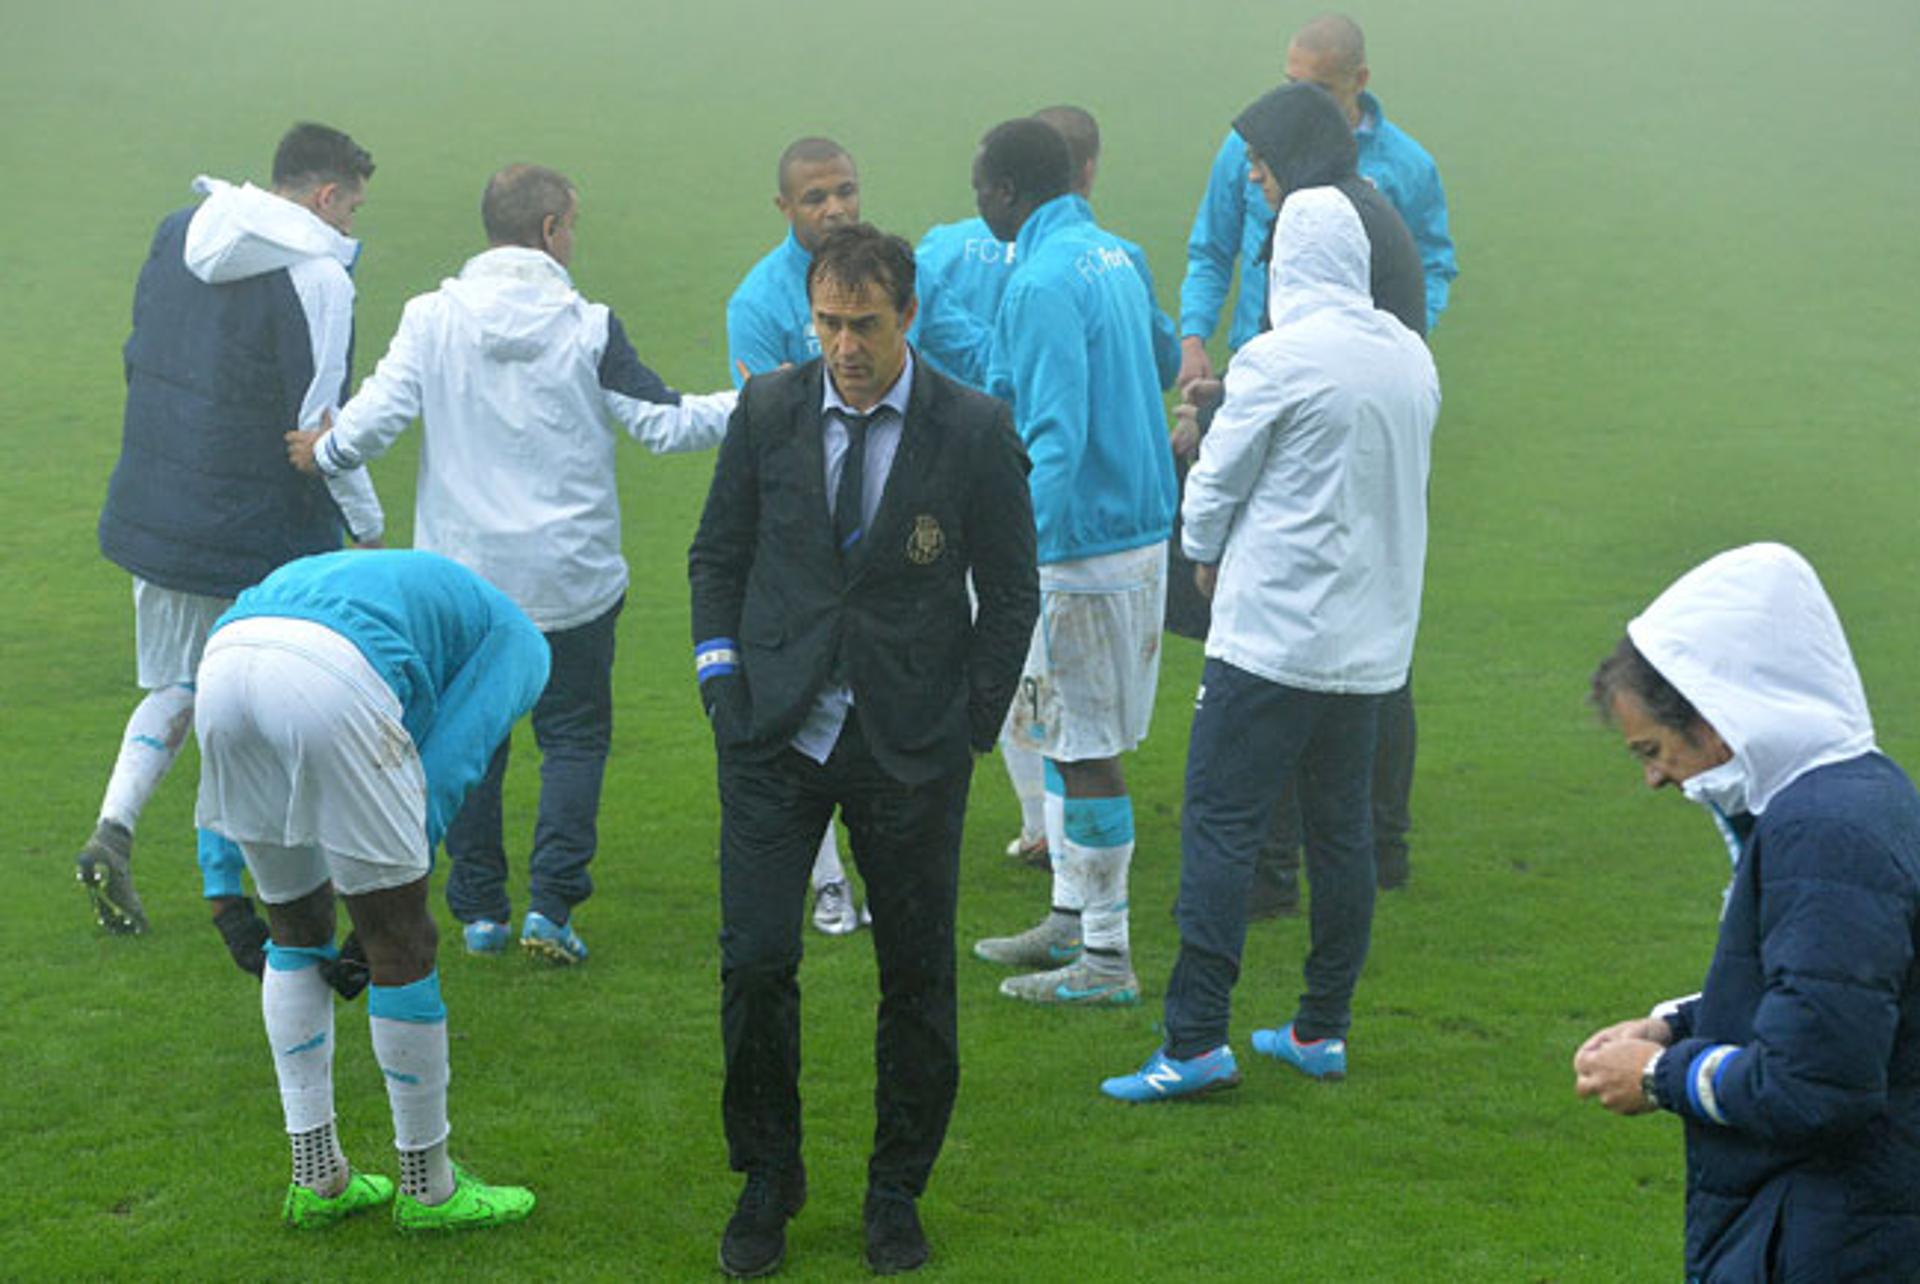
1321, 256
519, 302
246, 231
1751, 640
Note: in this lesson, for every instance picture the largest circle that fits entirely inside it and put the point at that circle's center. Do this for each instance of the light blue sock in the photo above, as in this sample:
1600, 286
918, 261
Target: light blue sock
221, 865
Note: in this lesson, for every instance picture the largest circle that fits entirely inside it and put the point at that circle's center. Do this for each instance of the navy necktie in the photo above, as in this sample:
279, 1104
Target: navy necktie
848, 497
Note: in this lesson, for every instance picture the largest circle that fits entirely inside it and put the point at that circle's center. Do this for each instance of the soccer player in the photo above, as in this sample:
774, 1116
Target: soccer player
242, 324
522, 385
1074, 354
347, 704
966, 262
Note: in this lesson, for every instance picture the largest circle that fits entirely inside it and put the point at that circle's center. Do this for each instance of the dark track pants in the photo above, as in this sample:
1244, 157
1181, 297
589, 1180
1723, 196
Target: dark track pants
573, 725
1249, 737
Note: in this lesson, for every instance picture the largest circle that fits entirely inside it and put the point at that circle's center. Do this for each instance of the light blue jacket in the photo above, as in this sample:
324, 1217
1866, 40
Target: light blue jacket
463, 661
1234, 221
964, 263
770, 322
1073, 350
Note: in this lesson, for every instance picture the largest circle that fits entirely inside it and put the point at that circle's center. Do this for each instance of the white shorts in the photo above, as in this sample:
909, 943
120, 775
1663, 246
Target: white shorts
170, 631
1094, 665
305, 764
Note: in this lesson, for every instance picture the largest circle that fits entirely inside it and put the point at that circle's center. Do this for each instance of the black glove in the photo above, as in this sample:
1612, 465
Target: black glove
348, 974
725, 699
246, 936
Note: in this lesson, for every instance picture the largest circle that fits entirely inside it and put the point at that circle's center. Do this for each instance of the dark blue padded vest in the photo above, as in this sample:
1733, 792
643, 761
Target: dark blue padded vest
203, 499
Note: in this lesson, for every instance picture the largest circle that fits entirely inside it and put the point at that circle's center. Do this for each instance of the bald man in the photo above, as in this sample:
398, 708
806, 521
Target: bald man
1235, 220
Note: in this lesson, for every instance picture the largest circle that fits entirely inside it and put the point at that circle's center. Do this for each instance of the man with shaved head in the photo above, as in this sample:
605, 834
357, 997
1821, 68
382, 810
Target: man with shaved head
1235, 220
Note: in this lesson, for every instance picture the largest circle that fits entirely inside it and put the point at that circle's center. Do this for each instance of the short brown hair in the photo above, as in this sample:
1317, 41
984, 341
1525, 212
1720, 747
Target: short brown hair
518, 201
855, 255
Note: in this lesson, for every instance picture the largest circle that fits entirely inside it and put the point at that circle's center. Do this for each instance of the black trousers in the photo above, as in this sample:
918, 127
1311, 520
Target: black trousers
905, 841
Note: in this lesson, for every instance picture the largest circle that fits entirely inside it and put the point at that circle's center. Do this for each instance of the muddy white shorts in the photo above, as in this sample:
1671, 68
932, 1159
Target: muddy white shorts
305, 764
170, 631
1094, 665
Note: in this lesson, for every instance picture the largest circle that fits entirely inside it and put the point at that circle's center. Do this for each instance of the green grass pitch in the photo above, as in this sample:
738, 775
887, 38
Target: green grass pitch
1685, 307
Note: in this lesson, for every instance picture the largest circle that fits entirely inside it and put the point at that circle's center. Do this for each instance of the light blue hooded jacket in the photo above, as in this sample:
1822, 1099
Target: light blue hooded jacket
1073, 350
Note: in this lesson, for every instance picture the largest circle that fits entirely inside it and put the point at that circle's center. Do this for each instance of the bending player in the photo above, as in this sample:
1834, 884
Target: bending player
346, 705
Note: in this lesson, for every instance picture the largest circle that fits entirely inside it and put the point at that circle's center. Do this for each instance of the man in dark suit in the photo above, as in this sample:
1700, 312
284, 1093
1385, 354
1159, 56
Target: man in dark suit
841, 666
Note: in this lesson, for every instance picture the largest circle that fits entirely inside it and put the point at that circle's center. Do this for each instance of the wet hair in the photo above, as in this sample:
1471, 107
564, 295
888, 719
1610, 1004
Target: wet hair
1078, 127
807, 151
1031, 155
310, 154
1627, 670
1337, 34
860, 254
519, 200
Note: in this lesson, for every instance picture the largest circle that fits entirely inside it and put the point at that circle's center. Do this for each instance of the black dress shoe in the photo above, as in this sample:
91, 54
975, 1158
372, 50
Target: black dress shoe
755, 1241
895, 1242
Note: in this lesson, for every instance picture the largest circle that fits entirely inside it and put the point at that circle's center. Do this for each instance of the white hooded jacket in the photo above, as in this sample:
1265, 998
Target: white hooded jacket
1311, 488
504, 363
1751, 640
242, 232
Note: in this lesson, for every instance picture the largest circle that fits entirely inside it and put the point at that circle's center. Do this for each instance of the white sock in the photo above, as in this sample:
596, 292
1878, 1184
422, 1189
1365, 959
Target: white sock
1066, 879
296, 1003
1099, 848
155, 732
1027, 771
409, 1025
826, 864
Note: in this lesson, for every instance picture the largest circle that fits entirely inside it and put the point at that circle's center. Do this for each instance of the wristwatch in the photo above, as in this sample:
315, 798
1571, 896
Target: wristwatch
1650, 1079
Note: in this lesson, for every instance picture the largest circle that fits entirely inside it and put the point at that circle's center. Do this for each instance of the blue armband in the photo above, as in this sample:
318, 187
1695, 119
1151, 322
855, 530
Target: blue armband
715, 657
1703, 1081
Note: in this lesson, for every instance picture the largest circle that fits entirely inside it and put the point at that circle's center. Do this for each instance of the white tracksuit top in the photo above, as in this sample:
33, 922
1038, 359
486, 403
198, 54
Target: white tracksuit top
1311, 487
509, 367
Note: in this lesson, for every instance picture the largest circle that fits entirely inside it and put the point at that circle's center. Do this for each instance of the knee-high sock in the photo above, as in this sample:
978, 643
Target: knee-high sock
1099, 848
1027, 771
826, 863
296, 1005
409, 1024
155, 732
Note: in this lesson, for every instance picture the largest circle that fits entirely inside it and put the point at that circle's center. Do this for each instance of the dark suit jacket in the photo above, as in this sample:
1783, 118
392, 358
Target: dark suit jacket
930, 679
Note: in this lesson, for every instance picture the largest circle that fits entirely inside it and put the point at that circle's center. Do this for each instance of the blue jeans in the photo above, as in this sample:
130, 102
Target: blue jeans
1392, 804
573, 725
1249, 737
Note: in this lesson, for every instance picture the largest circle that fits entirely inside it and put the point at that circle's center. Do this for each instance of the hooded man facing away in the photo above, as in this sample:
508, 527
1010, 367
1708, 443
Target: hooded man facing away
1797, 1067
521, 381
1306, 519
1296, 138
242, 325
